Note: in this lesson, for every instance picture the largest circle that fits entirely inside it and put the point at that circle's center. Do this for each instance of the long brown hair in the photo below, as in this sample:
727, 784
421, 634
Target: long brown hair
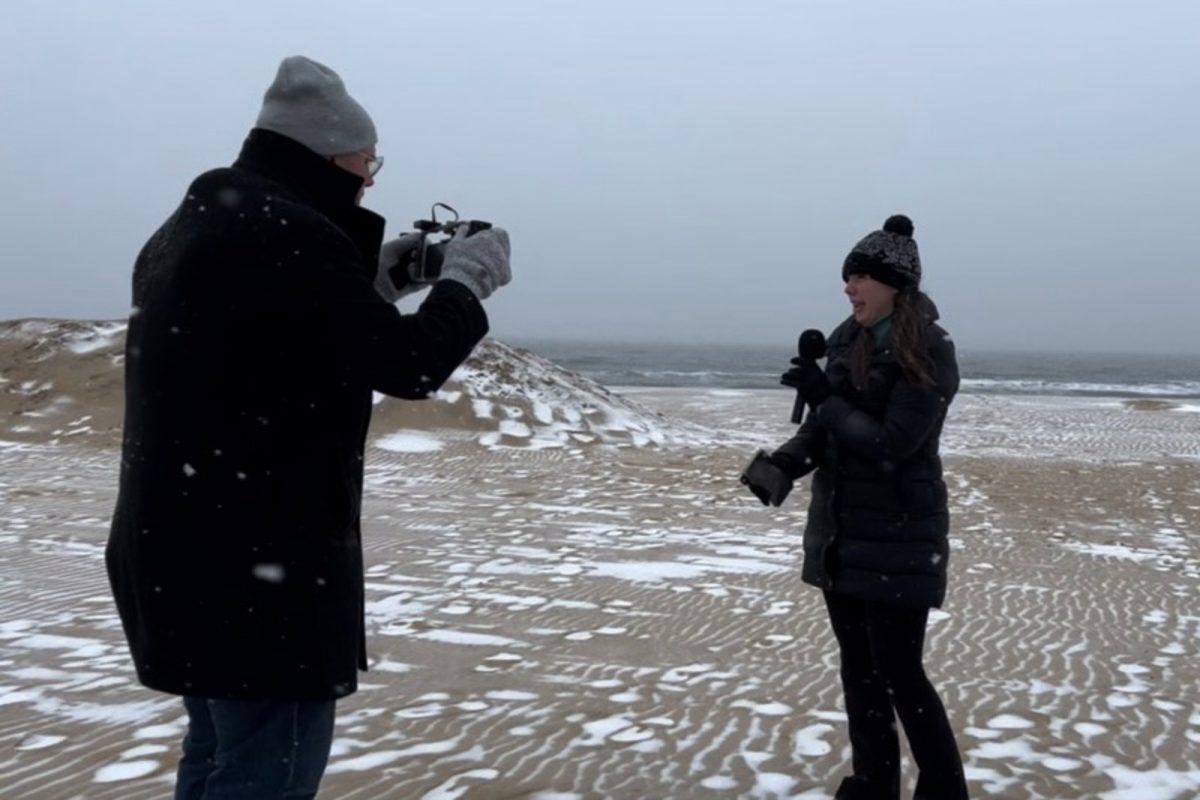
908, 331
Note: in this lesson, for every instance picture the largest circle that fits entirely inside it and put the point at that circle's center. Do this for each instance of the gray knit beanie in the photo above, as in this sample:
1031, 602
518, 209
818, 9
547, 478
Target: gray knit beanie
889, 255
308, 102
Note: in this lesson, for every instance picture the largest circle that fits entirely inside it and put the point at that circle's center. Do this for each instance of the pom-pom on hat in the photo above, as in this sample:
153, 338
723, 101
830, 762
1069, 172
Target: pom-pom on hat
888, 255
308, 102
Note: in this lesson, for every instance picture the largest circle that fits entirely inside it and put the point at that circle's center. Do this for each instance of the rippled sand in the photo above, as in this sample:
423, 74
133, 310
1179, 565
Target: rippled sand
618, 621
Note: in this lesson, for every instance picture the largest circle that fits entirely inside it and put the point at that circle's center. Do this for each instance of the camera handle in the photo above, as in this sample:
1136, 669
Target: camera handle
425, 264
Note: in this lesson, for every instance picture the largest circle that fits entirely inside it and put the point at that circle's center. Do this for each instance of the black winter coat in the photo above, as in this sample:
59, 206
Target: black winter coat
878, 520
256, 340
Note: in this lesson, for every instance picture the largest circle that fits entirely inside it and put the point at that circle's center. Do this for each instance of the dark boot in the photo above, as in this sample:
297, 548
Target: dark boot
941, 785
858, 787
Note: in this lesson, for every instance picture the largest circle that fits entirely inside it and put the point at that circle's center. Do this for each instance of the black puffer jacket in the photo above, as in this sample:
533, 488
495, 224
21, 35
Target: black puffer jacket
878, 519
256, 341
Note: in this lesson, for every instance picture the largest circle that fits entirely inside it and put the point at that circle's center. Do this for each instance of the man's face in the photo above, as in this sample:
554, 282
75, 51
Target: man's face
364, 163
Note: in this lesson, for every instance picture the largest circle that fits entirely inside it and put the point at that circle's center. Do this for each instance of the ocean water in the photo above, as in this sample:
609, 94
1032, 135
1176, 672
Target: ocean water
986, 372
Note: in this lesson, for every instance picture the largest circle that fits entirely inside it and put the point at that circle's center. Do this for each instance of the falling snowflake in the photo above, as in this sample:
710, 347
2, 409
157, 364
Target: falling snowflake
271, 573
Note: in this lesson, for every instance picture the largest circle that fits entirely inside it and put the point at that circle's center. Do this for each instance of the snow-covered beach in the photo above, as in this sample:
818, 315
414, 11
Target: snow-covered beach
571, 597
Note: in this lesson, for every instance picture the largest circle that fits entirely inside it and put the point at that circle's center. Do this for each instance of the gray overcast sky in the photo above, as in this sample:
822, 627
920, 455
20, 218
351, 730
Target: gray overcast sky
687, 171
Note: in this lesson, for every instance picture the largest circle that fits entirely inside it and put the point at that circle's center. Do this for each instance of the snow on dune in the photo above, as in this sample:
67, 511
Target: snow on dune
64, 378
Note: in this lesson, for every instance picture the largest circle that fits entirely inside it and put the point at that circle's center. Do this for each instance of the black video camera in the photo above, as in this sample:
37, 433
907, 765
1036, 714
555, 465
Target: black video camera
423, 264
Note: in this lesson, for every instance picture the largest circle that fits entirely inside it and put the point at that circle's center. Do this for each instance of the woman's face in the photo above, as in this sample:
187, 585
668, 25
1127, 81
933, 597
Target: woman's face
870, 300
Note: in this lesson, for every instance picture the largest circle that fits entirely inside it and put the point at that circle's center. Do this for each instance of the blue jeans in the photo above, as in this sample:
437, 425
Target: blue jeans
254, 749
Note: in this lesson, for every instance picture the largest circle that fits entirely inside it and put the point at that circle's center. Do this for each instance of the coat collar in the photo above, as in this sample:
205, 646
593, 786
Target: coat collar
318, 183
322, 184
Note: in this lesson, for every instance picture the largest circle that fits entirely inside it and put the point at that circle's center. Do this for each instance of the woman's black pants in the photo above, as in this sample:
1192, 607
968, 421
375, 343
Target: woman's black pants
882, 676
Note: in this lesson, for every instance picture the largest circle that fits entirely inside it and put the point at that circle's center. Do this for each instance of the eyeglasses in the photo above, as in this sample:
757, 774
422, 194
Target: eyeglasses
374, 163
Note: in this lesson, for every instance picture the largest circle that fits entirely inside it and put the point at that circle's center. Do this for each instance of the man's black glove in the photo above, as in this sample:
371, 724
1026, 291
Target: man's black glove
808, 379
766, 480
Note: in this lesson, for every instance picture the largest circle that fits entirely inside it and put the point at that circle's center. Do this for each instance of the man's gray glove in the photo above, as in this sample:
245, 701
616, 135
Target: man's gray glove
478, 261
392, 281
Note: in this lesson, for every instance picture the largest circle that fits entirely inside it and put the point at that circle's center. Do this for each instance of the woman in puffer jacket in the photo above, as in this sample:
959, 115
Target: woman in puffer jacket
876, 537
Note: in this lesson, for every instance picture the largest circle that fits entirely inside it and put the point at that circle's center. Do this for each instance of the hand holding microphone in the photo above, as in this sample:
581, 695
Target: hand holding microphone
770, 476
806, 377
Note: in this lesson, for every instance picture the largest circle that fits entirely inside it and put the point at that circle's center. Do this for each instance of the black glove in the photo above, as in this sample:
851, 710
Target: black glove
766, 480
809, 380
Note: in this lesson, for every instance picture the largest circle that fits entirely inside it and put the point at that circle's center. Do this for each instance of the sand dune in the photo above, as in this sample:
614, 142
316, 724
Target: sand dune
61, 380
559, 618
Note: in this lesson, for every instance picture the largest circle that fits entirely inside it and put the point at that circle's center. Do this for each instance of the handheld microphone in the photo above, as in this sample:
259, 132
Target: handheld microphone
810, 347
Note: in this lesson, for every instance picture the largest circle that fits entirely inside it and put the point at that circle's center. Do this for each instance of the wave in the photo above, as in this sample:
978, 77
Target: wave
723, 379
1184, 390
988, 372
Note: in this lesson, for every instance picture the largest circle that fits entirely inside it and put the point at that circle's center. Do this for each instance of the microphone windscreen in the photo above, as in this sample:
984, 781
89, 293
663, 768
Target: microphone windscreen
812, 344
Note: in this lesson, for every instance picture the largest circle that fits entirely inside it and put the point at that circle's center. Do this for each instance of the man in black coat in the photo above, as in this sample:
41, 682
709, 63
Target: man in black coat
257, 337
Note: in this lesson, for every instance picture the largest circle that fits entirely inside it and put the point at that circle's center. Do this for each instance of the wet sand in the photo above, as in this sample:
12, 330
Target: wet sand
616, 618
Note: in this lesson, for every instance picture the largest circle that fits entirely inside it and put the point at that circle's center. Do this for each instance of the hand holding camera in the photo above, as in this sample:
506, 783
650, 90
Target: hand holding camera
471, 252
478, 261
393, 280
